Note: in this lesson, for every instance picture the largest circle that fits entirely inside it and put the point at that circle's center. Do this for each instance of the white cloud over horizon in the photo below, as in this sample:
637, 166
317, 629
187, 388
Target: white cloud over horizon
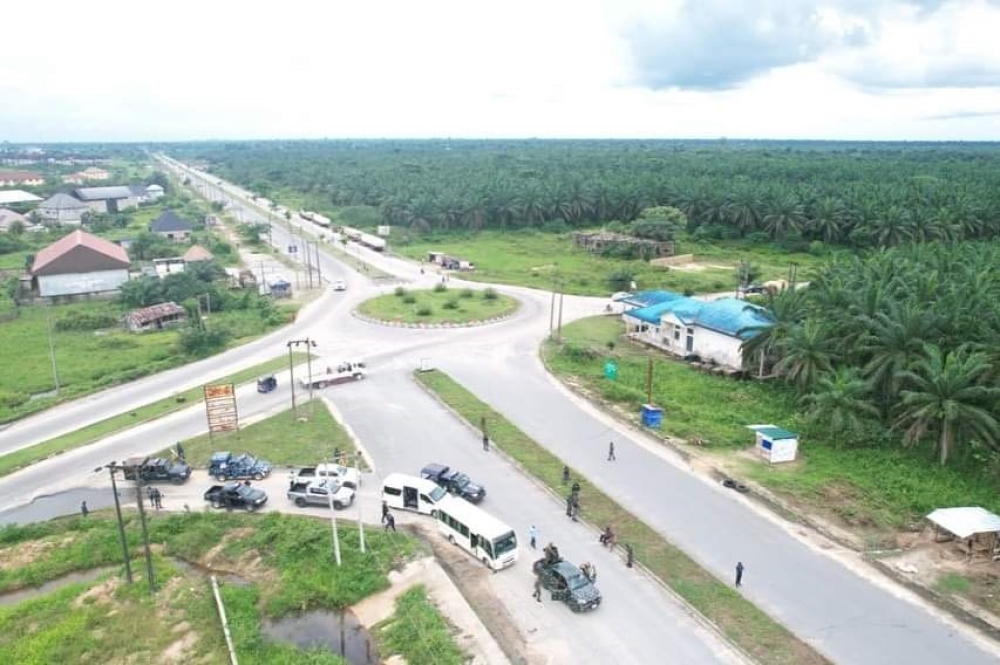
834, 69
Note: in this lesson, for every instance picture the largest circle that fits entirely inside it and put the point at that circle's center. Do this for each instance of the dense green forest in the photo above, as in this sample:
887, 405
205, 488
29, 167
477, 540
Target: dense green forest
904, 340
858, 194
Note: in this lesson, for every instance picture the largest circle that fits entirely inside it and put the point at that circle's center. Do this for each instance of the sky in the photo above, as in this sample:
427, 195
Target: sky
111, 70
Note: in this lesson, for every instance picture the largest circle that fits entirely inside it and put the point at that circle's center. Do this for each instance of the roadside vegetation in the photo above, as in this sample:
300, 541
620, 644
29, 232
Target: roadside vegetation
308, 439
283, 564
122, 421
442, 304
866, 480
418, 632
740, 620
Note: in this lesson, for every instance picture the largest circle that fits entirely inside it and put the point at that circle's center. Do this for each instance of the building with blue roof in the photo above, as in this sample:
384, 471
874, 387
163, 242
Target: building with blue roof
712, 330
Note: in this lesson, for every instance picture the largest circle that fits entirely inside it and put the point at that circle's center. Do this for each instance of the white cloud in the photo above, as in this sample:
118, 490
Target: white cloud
559, 68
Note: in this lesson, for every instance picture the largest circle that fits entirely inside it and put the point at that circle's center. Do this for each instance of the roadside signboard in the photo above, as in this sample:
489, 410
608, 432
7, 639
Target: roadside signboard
220, 407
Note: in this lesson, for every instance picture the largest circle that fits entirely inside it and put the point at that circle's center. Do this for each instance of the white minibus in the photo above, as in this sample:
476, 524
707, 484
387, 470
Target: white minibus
412, 493
478, 533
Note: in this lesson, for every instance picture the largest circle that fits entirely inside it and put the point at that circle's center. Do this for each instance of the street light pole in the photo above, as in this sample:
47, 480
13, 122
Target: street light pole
309, 344
52, 352
145, 535
291, 372
333, 515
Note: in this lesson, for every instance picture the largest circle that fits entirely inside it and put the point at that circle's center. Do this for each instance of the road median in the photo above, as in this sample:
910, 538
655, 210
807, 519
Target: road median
752, 631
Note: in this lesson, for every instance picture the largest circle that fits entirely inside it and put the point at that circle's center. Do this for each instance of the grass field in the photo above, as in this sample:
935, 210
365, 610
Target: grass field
740, 620
89, 360
439, 305
280, 439
418, 632
871, 485
284, 562
532, 258
122, 421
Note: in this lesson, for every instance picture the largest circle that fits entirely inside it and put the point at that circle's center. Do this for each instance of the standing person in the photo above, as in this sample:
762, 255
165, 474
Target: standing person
390, 522
533, 536
537, 595
83, 509
611, 452
180, 451
739, 573
385, 511
158, 497
565, 475
486, 442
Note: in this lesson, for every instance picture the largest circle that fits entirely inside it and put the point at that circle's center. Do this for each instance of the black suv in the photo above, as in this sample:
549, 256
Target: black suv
455, 482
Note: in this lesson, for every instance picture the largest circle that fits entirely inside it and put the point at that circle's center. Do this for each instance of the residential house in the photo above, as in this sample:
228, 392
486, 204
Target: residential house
172, 227
197, 253
62, 209
168, 266
107, 199
714, 331
9, 217
13, 196
95, 173
156, 317
79, 263
20, 179
154, 192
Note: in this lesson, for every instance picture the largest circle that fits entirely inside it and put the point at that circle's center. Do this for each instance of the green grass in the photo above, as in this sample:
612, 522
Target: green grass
88, 361
81, 437
280, 439
743, 623
286, 561
418, 632
531, 258
953, 583
866, 483
431, 306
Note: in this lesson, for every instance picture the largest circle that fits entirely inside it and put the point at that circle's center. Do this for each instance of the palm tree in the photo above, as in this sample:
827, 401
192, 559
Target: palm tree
895, 339
945, 398
786, 215
827, 219
783, 311
805, 354
840, 400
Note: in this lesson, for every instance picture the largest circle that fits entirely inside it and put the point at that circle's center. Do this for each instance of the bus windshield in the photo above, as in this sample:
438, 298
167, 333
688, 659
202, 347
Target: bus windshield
504, 543
437, 494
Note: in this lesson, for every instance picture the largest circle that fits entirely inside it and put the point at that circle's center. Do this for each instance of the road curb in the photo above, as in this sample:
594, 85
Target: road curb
435, 326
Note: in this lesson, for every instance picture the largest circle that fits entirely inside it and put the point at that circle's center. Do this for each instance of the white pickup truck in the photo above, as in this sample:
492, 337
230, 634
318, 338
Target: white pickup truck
345, 475
332, 375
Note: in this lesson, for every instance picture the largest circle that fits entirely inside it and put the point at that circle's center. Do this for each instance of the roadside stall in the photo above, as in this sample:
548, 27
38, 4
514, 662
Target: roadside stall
975, 530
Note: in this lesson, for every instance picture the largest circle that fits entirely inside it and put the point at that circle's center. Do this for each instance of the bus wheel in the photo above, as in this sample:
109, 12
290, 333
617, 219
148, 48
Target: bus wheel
451, 539
486, 562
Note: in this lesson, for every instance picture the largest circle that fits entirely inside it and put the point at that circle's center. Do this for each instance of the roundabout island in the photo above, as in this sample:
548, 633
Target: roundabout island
440, 306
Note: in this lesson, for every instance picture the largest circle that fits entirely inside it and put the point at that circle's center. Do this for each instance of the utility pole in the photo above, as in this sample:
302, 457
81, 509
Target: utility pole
649, 380
309, 344
52, 352
319, 268
145, 535
291, 380
559, 328
333, 515
361, 525
112, 467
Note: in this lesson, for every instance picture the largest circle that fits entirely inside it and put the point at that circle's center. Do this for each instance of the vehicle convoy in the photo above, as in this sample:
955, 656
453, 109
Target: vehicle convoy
316, 493
566, 582
411, 493
342, 373
344, 475
454, 482
236, 495
152, 469
478, 533
226, 466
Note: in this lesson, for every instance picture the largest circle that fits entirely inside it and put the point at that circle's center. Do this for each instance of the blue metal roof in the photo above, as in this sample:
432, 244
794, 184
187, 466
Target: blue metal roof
647, 298
726, 315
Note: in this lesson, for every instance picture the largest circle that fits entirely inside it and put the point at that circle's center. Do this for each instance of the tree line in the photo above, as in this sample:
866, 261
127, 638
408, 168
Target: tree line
856, 194
903, 340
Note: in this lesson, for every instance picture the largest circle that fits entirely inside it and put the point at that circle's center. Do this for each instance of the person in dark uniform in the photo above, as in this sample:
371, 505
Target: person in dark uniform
537, 595
611, 452
385, 512
83, 509
390, 522
739, 573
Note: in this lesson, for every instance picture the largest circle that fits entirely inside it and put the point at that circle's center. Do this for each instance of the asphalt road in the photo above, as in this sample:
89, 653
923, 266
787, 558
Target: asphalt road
850, 617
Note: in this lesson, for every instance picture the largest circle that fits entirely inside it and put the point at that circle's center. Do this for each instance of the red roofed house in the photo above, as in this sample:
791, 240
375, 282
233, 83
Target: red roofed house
79, 263
20, 178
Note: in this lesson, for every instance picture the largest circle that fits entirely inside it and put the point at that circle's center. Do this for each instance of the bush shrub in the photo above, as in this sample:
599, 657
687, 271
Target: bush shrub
424, 310
409, 298
10, 398
440, 288
199, 342
467, 293
451, 304
399, 292
86, 321
490, 294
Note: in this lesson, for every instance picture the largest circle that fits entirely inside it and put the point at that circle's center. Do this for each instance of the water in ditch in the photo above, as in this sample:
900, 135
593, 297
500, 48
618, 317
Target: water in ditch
337, 631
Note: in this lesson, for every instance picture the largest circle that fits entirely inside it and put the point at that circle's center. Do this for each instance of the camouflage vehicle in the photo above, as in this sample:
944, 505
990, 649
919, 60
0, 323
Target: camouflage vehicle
568, 584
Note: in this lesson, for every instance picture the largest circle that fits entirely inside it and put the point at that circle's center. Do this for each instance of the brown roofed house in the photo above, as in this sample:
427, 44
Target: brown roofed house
197, 253
79, 263
156, 317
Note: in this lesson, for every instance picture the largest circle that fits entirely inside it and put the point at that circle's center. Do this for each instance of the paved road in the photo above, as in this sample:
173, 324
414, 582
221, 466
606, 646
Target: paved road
849, 617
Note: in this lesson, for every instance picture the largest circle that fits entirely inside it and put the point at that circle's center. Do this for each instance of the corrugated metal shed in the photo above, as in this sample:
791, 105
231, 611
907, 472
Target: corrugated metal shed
103, 193
966, 522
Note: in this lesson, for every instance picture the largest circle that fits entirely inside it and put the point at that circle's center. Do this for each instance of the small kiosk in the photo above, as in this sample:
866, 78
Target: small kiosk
775, 444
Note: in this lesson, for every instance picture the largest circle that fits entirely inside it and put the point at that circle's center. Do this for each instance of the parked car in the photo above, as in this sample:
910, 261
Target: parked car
236, 495
226, 466
266, 384
152, 469
339, 285
316, 493
568, 584
345, 475
455, 482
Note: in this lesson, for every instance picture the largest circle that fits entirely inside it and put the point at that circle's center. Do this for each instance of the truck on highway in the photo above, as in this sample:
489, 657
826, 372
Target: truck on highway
341, 373
236, 495
152, 469
317, 493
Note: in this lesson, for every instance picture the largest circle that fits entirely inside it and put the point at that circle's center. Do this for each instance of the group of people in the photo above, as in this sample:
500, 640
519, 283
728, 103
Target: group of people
155, 497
